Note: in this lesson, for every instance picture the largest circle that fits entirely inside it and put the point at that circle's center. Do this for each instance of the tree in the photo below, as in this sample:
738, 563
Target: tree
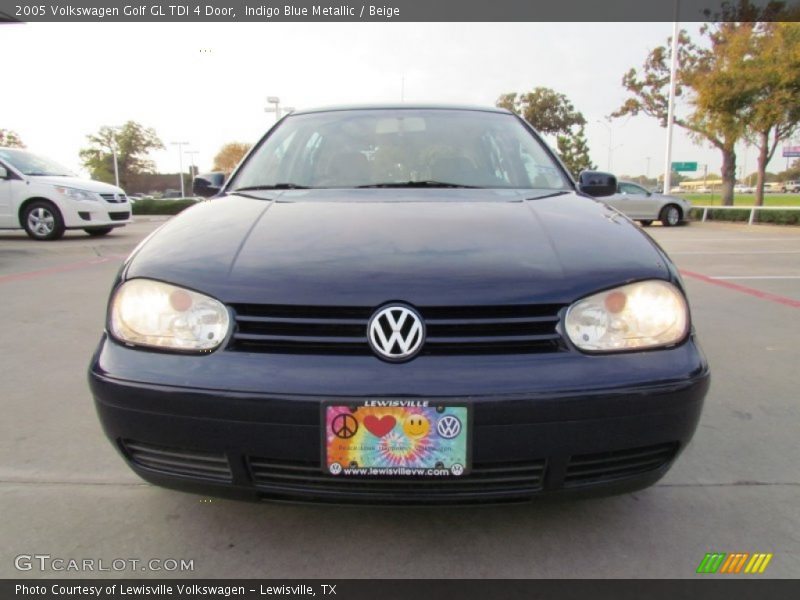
552, 113
10, 139
769, 61
719, 87
574, 152
650, 96
134, 143
230, 155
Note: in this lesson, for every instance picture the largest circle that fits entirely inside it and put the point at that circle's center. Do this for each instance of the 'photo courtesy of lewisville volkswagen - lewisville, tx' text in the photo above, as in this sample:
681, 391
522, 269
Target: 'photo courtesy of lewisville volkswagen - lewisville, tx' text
337, 296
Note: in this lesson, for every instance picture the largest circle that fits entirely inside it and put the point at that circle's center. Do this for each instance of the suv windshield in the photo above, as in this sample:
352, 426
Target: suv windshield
400, 147
33, 164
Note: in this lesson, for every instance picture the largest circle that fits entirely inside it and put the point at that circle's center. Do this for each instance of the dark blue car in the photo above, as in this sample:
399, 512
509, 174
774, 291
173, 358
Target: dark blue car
406, 305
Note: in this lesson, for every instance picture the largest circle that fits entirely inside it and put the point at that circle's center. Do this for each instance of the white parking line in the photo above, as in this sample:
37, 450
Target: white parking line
755, 276
739, 239
735, 252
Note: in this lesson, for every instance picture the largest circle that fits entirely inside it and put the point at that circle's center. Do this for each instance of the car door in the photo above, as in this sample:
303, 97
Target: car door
625, 199
7, 189
638, 202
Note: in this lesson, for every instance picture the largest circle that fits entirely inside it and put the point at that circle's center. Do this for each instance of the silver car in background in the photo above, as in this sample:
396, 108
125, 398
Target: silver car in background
644, 206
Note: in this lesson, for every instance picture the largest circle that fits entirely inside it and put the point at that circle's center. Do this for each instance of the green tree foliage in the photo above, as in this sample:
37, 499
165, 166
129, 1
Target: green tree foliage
552, 113
574, 151
765, 90
720, 82
650, 96
134, 143
229, 156
10, 139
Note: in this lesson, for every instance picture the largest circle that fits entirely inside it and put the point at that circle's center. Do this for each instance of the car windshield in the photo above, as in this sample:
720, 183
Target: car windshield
399, 148
33, 164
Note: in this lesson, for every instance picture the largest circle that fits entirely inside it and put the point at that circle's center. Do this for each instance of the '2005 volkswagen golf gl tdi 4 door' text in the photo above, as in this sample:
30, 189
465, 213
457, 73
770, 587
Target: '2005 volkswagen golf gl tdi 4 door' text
400, 304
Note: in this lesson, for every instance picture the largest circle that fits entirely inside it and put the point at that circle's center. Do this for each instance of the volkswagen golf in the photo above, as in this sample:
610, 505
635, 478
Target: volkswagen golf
400, 304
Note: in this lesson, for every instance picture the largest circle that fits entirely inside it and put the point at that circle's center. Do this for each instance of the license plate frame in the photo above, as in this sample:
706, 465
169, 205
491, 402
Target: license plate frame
407, 449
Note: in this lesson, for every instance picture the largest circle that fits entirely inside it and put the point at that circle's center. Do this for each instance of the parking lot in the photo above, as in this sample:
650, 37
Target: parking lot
64, 492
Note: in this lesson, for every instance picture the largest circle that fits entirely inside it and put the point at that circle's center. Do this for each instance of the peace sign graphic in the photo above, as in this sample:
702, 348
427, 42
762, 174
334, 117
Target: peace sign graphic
344, 426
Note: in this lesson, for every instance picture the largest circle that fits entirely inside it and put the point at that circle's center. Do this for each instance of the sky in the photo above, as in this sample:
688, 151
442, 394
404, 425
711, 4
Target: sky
207, 83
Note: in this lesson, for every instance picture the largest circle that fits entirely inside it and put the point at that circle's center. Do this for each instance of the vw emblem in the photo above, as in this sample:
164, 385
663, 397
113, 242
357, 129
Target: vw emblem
396, 332
448, 427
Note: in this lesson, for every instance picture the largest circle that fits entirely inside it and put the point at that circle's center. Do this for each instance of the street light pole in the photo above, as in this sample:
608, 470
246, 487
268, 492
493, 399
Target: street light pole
647, 173
276, 108
671, 105
116, 163
274, 100
180, 146
192, 154
610, 148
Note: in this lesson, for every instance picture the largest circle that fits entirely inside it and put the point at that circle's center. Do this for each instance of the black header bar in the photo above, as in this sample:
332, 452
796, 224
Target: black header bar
396, 10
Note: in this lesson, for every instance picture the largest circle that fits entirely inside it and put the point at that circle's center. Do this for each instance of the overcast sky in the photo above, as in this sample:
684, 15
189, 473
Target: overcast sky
207, 84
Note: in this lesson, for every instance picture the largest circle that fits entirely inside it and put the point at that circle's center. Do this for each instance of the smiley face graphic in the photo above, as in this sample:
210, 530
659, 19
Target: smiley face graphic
416, 426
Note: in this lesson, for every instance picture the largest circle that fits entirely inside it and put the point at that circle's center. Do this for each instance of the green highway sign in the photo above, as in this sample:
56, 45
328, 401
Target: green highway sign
684, 166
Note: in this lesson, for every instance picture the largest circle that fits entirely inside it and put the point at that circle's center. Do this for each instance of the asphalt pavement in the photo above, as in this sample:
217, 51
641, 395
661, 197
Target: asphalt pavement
64, 492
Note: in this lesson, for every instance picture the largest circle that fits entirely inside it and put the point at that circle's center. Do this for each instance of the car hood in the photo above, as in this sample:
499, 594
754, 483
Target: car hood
76, 182
425, 247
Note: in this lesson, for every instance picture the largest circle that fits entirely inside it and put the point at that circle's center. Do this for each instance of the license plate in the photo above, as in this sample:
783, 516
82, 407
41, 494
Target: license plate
396, 439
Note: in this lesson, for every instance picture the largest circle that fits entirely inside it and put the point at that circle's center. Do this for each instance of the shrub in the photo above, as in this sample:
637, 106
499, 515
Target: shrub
777, 217
162, 207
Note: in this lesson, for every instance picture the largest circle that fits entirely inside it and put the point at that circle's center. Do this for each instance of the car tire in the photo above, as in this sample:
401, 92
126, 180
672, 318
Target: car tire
98, 231
671, 215
43, 221
646, 223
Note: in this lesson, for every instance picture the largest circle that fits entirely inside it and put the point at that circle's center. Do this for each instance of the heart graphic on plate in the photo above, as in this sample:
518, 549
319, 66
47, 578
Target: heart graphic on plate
379, 427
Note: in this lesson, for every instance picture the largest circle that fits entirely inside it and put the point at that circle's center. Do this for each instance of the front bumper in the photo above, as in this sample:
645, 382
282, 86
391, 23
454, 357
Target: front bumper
232, 440
80, 215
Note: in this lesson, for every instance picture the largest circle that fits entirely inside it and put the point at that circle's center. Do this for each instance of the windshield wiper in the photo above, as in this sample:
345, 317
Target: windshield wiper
550, 195
276, 186
417, 184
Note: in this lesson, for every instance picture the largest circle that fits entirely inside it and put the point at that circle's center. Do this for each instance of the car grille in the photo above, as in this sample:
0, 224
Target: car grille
450, 330
515, 479
607, 466
114, 198
174, 461
119, 216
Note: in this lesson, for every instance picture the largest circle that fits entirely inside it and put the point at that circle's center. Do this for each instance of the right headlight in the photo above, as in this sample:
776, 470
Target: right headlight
145, 312
76, 194
642, 315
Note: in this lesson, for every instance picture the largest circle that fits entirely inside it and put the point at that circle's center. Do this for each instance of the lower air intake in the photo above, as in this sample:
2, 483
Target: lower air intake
178, 461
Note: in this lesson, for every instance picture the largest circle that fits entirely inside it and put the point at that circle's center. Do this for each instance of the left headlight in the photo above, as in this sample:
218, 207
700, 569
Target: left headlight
642, 315
151, 313
76, 194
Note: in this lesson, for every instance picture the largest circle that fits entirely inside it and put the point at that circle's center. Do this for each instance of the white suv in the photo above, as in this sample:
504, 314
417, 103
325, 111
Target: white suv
45, 199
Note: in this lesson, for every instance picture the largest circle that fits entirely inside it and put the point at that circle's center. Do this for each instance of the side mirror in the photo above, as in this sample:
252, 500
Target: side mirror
208, 184
597, 183
3, 173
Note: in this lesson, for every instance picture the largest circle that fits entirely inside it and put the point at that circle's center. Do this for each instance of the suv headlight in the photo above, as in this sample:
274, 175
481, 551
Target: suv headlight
76, 194
151, 313
641, 315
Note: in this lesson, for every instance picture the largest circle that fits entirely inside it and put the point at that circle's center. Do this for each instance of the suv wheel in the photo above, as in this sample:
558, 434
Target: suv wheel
43, 221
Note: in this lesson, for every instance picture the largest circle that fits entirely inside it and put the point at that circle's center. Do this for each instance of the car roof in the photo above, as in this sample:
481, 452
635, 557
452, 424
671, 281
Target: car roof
401, 106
